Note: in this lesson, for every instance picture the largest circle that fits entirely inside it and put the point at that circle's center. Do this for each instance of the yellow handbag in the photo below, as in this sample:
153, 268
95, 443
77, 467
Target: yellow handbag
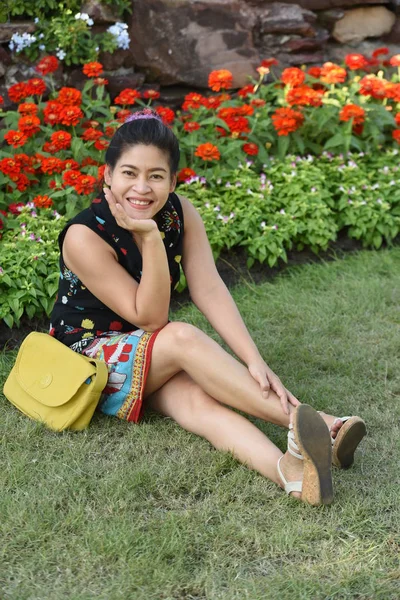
53, 384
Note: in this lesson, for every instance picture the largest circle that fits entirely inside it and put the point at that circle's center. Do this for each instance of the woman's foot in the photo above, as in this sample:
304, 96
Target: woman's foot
346, 434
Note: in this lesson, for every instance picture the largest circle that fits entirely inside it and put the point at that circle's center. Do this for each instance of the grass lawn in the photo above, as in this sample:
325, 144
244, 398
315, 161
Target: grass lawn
152, 512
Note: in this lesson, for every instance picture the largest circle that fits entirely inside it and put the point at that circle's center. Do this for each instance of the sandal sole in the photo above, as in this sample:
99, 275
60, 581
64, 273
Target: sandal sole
314, 441
350, 435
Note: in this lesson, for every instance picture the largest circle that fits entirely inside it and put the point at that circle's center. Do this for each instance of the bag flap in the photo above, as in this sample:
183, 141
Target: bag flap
49, 371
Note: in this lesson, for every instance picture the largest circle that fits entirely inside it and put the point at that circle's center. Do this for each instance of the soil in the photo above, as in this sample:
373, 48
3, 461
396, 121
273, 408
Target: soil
233, 270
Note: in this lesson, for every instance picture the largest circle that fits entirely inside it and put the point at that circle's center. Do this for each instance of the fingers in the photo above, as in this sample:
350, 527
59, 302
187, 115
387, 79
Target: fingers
281, 392
292, 399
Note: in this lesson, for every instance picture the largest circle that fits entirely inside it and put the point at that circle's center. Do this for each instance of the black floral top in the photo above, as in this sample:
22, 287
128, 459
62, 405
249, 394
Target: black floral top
78, 316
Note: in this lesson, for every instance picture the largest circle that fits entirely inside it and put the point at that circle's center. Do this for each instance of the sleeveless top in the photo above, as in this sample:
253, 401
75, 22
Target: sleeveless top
78, 316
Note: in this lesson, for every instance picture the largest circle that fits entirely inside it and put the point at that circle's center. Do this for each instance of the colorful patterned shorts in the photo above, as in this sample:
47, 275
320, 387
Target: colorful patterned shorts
128, 357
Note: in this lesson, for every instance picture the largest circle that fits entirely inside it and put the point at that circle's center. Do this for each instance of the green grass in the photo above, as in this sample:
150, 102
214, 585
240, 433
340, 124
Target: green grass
151, 512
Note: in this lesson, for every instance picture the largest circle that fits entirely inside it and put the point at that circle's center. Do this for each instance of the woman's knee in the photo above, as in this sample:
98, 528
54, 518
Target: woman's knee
181, 336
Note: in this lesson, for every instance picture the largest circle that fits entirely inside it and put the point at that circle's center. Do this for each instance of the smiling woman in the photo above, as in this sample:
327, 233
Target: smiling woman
119, 260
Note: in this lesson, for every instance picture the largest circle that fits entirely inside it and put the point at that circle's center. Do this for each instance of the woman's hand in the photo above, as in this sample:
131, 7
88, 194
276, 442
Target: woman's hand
267, 380
142, 227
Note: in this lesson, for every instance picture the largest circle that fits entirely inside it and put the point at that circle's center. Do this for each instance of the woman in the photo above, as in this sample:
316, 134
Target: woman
119, 261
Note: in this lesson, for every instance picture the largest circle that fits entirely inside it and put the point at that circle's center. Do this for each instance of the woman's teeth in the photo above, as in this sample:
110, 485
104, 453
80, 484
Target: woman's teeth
139, 202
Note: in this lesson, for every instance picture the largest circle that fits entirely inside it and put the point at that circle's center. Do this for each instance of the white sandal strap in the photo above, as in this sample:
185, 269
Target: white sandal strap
290, 486
293, 448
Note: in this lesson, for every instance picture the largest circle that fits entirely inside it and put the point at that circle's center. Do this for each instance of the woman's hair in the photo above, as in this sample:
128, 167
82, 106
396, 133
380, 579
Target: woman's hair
144, 127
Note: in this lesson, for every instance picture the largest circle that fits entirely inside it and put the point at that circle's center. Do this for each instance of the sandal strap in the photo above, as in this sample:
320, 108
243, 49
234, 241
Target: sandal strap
290, 486
293, 448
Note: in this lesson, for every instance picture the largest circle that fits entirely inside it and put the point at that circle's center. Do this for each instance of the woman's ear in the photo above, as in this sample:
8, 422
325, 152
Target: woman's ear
173, 183
107, 175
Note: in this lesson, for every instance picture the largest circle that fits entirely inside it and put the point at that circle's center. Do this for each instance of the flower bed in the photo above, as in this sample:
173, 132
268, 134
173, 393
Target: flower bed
235, 164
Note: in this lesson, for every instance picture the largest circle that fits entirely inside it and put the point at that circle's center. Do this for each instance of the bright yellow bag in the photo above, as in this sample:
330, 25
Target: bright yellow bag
53, 384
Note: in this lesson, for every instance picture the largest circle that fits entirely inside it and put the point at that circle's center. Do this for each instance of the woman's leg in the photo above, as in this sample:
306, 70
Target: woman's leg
182, 347
194, 410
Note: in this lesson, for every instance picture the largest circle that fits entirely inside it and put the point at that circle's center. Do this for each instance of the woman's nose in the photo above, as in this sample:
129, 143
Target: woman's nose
141, 184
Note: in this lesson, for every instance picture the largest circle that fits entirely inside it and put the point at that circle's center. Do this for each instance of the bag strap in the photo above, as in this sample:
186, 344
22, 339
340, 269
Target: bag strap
101, 378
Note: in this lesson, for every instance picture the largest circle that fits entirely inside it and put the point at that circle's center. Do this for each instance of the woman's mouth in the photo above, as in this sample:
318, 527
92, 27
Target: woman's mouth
137, 203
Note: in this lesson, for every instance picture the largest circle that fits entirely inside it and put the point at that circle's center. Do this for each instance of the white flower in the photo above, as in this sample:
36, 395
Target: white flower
19, 42
61, 54
42, 47
119, 31
36, 20
262, 224
282, 211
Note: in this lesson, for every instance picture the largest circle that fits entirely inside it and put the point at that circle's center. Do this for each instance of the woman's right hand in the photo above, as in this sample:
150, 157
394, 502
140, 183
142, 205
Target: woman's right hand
142, 227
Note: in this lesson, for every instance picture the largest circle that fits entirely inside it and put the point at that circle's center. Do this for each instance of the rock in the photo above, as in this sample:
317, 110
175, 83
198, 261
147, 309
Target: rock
282, 18
100, 13
393, 37
8, 29
190, 39
328, 18
322, 4
118, 82
119, 58
361, 23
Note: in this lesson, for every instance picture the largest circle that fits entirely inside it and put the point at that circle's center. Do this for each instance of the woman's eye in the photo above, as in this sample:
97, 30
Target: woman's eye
157, 176
129, 173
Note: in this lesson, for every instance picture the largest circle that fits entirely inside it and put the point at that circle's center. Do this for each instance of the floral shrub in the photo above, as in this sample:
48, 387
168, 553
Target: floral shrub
235, 164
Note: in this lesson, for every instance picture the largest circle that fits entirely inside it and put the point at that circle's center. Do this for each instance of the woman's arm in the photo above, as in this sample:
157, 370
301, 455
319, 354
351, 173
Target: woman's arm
145, 304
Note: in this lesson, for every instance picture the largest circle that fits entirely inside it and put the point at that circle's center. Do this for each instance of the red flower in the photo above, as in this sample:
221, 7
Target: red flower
15, 208
100, 172
293, 76
237, 124
10, 166
304, 96
71, 177
29, 125
396, 135
22, 182
287, 120
48, 64
394, 61
314, 72
28, 108
193, 101
250, 149
52, 113
220, 80
167, 114
245, 110
123, 114
185, 174
109, 130
100, 81
85, 184
332, 73
50, 148
18, 92
352, 111
127, 96
15, 138
42, 201
90, 134
191, 126
88, 161
207, 152
101, 144
1, 100
36, 86
380, 51
61, 139
257, 102
370, 85
151, 94
213, 102
397, 119
269, 62
52, 165
71, 115
69, 96
93, 69
393, 91
70, 163
356, 61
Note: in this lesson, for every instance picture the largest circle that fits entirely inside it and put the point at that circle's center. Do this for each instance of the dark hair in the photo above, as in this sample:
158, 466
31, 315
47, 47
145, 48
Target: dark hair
146, 131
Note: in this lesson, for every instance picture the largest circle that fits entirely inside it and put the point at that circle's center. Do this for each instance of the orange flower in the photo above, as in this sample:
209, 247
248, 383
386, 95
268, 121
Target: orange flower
304, 96
356, 61
69, 96
42, 201
191, 126
100, 81
100, 172
396, 135
15, 138
151, 94
314, 72
71, 115
92, 69
246, 90
293, 76
393, 91
207, 152
250, 149
85, 184
269, 62
52, 165
90, 134
61, 139
395, 60
397, 119
237, 124
29, 125
28, 108
71, 177
332, 73
101, 144
127, 96
213, 102
370, 85
52, 113
193, 101
10, 166
48, 64
380, 51
87, 161
245, 110
70, 163
36, 86
220, 80
287, 120
257, 102
167, 114
123, 114
21, 181
352, 111
18, 92
185, 174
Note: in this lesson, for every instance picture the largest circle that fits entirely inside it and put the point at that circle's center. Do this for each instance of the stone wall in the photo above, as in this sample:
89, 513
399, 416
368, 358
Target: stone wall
178, 42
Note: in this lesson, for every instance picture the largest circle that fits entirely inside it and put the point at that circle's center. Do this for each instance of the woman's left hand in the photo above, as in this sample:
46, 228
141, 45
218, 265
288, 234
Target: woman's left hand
267, 380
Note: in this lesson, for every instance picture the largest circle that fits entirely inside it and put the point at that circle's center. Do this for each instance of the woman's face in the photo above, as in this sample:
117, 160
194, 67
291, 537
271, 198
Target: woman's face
141, 180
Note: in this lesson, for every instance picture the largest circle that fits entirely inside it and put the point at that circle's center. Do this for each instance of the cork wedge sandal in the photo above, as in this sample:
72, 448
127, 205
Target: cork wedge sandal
345, 443
309, 440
